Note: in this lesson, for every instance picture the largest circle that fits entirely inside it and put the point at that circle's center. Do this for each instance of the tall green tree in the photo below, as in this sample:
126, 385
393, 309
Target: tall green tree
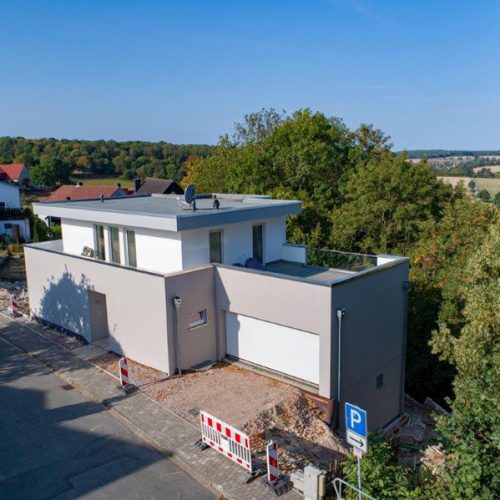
387, 204
50, 172
472, 434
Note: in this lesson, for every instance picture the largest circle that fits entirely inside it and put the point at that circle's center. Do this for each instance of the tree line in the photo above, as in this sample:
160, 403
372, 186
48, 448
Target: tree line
358, 195
54, 160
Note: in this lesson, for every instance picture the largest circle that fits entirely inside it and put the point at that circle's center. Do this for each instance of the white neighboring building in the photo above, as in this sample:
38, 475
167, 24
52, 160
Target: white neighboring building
14, 221
171, 288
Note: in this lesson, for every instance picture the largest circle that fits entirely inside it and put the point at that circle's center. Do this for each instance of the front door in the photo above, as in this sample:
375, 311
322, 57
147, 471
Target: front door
98, 314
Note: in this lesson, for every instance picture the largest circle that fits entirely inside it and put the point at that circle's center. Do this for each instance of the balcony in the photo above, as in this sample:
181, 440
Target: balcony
13, 213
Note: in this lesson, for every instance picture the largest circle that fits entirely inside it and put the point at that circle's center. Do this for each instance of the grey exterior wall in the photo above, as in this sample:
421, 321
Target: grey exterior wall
372, 342
58, 287
196, 290
293, 303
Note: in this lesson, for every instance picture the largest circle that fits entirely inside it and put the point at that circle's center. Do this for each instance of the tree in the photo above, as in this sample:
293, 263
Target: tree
472, 466
438, 274
472, 185
388, 202
484, 195
50, 172
497, 200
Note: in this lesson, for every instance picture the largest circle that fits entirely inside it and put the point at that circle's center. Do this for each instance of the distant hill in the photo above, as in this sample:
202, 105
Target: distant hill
443, 153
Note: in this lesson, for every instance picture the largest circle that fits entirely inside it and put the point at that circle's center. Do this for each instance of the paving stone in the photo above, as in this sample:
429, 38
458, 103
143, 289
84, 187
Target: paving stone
167, 431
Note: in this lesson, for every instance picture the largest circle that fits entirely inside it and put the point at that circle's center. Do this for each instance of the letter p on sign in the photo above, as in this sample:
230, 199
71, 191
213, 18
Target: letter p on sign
355, 420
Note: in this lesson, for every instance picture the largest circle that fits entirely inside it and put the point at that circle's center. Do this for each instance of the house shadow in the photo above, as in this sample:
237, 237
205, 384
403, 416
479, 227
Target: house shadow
65, 303
57, 444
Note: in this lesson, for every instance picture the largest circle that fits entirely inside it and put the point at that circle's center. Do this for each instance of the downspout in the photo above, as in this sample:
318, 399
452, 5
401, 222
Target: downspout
404, 335
340, 315
177, 301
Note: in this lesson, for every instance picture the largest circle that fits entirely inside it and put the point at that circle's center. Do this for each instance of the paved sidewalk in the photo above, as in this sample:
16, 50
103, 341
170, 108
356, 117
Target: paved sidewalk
152, 422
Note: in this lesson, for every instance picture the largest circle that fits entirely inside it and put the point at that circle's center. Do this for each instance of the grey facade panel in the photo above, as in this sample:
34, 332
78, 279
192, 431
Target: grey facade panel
372, 342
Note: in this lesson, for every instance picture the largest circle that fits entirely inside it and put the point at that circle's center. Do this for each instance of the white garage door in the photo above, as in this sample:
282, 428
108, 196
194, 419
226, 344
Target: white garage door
284, 349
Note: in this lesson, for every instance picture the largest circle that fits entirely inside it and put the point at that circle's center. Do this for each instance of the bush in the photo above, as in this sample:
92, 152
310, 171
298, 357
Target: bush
15, 249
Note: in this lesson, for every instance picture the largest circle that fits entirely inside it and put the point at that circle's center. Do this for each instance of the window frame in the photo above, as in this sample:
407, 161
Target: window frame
97, 251
262, 242
127, 246
203, 321
221, 232
112, 253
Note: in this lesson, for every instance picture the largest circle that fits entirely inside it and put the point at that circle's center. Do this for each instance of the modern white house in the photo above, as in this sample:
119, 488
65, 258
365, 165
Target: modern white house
14, 221
172, 288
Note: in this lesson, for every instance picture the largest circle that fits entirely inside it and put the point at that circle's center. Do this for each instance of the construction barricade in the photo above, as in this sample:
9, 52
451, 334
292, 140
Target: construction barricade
123, 367
14, 307
227, 440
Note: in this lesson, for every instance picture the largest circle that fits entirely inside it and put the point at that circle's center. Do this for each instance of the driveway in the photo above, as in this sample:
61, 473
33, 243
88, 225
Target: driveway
55, 443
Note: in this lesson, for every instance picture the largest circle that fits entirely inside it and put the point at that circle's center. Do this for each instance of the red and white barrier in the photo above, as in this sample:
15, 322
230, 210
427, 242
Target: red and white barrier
227, 440
13, 308
123, 366
273, 472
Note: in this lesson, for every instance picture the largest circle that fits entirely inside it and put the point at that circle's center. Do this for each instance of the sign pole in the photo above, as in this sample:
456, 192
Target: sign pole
359, 478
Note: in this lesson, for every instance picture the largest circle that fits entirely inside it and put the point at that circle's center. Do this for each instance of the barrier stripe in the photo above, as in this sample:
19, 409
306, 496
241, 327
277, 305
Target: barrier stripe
273, 472
225, 439
123, 366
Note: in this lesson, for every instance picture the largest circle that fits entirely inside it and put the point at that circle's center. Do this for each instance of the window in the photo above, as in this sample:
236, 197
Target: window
258, 243
131, 252
8, 225
114, 237
2, 205
380, 381
99, 242
198, 319
215, 238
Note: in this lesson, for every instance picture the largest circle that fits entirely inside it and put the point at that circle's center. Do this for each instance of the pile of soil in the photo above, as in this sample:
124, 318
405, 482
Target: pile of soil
302, 436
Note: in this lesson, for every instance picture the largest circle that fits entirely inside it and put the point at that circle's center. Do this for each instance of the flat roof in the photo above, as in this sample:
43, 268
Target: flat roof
170, 212
314, 274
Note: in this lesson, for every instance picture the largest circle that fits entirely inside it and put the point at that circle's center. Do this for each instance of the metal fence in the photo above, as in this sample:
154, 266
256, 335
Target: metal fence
340, 260
339, 484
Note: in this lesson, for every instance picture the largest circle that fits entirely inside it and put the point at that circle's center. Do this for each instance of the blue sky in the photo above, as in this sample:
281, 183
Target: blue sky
427, 72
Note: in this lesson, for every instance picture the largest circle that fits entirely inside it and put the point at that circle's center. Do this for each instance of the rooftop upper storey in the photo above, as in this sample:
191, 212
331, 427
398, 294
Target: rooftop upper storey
162, 234
170, 212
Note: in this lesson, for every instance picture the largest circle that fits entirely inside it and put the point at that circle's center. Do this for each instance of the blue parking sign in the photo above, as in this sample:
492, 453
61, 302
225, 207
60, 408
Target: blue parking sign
355, 420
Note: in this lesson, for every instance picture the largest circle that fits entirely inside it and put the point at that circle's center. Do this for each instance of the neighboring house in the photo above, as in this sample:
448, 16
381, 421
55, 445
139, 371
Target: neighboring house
14, 221
15, 172
159, 186
172, 288
76, 192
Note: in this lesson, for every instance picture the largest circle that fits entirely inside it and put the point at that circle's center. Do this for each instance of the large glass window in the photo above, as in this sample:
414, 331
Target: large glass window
131, 252
100, 251
216, 246
114, 236
258, 243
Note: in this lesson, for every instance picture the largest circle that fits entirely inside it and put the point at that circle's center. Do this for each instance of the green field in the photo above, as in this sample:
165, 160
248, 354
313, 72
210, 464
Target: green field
102, 181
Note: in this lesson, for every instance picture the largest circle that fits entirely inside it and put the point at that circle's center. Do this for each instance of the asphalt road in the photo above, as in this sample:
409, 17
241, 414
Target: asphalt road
55, 443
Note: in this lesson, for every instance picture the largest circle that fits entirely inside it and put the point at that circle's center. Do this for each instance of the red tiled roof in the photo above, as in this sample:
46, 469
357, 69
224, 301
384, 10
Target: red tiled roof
12, 170
82, 192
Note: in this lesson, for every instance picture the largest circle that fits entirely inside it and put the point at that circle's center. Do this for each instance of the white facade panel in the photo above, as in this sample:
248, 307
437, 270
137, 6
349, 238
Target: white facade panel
287, 350
77, 234
237, 242
158, 251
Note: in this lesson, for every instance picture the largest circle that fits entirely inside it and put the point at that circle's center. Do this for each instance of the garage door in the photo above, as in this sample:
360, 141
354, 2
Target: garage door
284, 349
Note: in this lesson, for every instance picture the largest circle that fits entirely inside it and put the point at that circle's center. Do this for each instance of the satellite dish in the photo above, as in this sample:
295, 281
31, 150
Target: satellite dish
189, 194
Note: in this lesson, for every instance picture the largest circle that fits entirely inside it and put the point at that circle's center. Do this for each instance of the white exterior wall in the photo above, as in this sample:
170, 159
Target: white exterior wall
76, 235
237, 242
9, 194
158, 251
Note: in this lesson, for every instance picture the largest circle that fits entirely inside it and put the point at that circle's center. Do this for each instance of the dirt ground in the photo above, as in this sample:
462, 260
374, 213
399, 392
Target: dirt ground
263, 407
